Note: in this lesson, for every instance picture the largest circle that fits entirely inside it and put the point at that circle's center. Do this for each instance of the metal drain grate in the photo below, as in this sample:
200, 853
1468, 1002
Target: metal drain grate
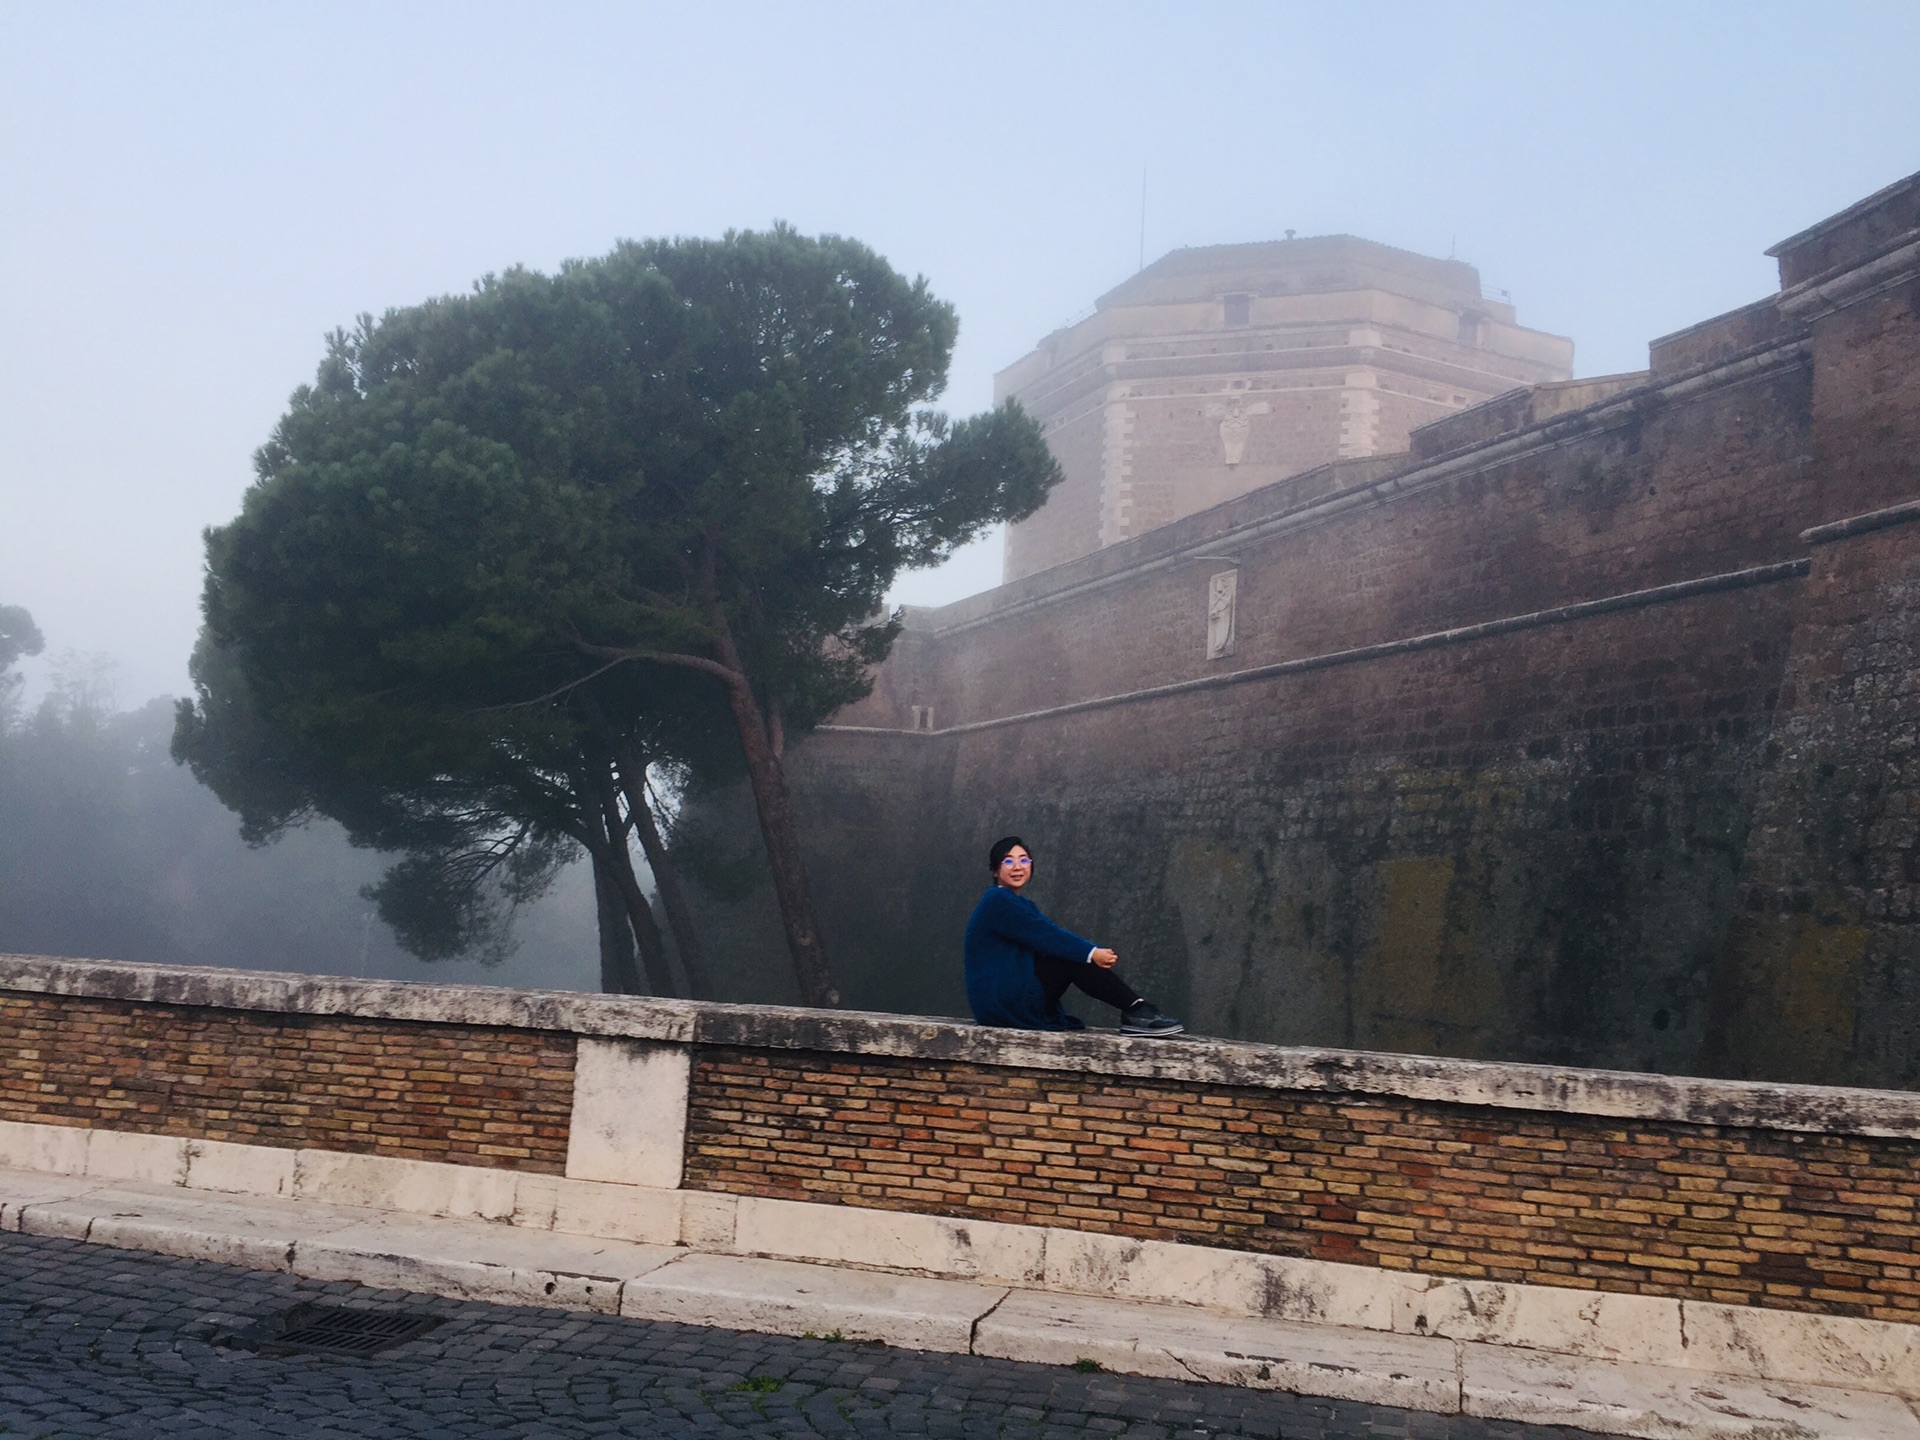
334, 1330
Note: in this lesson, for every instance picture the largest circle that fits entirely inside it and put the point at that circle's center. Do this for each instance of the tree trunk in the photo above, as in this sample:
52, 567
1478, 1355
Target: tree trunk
760, 749
619, 975
646, 930
783, 845
673, 895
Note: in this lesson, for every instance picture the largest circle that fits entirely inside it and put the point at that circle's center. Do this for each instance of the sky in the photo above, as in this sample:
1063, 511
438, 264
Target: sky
191, 196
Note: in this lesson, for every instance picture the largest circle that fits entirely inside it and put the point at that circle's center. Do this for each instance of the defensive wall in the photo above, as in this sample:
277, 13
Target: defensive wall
1584, 732
1739, 1229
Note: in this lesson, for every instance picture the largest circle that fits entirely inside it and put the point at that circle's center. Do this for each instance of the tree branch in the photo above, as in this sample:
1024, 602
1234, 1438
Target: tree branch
557, 692
616, 655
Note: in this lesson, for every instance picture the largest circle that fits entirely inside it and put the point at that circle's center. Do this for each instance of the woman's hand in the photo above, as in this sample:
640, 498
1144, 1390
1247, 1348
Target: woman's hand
1105, 959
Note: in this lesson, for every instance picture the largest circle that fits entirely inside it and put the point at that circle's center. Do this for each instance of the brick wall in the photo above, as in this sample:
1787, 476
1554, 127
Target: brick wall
1866, 399
468, 1095
1788, 1221
1668, 838
1522, 847
1072, 511
1781, 1197
1330, 362
1711, 481
1819, 971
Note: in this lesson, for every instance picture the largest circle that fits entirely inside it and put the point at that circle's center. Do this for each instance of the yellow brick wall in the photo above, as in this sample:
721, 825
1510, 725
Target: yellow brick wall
469, 1095
1744, 1217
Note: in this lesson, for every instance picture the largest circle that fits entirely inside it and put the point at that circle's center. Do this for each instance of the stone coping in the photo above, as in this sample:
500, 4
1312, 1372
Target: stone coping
1903, 514
1552, 1089
1458, 635
1850, 238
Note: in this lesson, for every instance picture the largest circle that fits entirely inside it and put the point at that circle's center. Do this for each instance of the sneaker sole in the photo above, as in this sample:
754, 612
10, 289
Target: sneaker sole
1157, 1030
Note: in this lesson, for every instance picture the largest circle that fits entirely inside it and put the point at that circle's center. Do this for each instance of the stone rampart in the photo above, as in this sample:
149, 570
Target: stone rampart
1579, 735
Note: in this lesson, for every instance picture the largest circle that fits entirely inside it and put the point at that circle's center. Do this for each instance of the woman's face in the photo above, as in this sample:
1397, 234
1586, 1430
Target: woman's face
1016, 869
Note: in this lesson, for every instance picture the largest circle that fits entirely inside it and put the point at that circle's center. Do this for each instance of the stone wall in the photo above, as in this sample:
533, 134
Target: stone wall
1361, 1167
1218, 370
1818, 971
1579, 734
464, 1094
1727, 1214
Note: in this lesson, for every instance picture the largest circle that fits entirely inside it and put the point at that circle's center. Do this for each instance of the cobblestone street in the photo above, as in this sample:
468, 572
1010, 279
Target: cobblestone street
97, 1341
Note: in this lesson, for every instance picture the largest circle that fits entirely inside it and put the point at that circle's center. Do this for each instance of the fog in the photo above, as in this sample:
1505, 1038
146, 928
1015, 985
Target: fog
194, 195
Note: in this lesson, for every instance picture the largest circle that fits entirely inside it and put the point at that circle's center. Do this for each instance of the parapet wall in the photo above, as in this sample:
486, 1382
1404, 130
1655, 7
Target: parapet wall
1372, 1182
1737, 1215
463, 1094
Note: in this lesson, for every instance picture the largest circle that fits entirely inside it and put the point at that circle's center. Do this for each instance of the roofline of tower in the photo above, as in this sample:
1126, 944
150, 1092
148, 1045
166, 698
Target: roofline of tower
1462, 274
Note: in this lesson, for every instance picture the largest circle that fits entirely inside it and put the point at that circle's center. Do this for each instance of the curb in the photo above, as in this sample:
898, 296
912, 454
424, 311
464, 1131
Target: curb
504, 1264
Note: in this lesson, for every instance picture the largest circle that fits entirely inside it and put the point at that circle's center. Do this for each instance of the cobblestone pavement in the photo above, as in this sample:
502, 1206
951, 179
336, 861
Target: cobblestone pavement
96, 1341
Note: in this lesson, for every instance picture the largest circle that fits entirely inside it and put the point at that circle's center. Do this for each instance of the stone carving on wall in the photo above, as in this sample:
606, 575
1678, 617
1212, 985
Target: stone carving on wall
1220, 597
1236, 425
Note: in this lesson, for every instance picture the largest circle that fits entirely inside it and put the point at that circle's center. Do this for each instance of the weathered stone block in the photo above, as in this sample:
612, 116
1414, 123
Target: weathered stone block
629, 1115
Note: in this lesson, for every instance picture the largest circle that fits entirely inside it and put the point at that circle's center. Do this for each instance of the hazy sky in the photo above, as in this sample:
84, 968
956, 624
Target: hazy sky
190, 196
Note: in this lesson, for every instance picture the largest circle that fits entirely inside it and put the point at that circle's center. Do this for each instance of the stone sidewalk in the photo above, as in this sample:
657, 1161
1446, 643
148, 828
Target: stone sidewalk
502, 1264
96, 1341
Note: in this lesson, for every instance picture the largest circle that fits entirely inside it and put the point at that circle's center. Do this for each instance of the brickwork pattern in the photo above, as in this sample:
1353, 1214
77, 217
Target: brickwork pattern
1818, 975
467, 1095
1866, 402
1715, 481
1785, 1221
1524, 848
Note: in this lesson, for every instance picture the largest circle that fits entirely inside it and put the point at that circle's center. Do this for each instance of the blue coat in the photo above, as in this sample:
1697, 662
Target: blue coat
1004, 935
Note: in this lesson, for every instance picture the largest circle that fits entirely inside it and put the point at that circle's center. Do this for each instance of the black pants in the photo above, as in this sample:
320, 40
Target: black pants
1056, 975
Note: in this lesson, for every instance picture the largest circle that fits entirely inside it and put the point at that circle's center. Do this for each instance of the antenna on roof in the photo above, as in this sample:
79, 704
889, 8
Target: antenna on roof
1143, 218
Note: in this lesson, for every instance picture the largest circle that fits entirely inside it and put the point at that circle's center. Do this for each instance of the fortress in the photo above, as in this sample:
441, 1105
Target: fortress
1585, 730
1581, 730
1216, 371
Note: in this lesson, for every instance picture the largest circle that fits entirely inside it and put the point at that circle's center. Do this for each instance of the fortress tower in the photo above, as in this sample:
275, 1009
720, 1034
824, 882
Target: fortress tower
1221, 369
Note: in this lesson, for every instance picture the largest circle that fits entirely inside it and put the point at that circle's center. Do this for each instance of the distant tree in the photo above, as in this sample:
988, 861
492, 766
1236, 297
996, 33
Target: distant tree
470, 854
513, 549
109, 849
19, 637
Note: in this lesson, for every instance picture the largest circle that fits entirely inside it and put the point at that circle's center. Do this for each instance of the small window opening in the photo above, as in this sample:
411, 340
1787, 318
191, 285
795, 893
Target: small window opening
1239, 309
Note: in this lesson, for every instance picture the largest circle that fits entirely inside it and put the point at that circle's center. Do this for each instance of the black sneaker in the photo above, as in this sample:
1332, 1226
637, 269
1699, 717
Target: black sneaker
1145, 1019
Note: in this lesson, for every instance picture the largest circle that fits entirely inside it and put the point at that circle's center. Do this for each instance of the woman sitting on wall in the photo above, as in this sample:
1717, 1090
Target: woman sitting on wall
1019, 963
